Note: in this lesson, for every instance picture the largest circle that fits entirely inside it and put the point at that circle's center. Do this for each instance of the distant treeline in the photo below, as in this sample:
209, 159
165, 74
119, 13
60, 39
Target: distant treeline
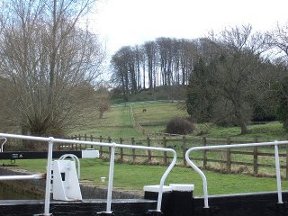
232, 77
164, 62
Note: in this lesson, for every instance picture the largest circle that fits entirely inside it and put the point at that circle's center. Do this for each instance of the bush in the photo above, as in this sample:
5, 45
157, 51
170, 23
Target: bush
179, 126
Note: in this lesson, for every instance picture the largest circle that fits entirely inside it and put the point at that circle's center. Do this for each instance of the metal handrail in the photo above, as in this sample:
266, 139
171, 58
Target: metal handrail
204, 179
52, 140
22, 177
3, 143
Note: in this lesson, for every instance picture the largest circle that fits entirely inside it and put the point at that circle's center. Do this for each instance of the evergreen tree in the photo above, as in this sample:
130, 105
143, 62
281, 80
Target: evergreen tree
283, 102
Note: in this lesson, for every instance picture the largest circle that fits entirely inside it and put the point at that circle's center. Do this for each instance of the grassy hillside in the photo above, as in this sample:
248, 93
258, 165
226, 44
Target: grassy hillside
139, 119
115, 123
121, 120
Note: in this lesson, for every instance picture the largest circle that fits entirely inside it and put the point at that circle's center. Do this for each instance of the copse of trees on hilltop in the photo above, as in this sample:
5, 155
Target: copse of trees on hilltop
164, 62
231, 78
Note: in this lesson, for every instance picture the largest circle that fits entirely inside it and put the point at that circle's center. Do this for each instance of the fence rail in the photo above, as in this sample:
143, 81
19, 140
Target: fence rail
226, 160
253, 161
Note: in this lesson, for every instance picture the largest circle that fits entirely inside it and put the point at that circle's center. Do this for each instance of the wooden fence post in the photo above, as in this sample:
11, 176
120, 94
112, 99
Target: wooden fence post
255, 159
184, 149
101, 147
165, 153
74, 145
286, 162
78, 147
149, 151
133, 150
228, 156
204, 153
91, 139
121, 150
85, 139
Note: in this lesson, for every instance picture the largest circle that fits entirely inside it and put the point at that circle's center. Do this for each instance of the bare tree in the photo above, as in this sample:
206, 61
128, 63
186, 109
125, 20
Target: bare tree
188, 57
46, 57
279, 41
237, 69
166, 60
121, 62
151, 58
103, 100
225, 82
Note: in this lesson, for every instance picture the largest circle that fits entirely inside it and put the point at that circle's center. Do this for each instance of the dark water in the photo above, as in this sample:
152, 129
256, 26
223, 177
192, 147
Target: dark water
9, 193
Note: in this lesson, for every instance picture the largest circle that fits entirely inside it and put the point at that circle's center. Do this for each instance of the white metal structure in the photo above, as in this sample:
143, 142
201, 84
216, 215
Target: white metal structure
204, 180
52, 140
65, 184
76, 161
90, 153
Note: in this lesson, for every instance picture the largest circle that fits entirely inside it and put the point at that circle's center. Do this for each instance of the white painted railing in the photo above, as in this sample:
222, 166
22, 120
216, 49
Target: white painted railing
52, 140
204, 179
3, 143
22, 177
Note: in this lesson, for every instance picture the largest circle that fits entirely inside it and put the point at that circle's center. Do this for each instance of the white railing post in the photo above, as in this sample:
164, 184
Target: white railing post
2, 145
278, 173
163, 179
204, 180
111, 177
203, 177
48, 177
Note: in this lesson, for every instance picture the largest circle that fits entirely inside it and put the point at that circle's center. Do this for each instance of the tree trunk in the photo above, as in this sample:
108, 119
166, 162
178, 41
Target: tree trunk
244, 129
241, 120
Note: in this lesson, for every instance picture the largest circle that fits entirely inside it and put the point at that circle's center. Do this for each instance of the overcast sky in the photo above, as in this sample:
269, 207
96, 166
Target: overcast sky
130, 22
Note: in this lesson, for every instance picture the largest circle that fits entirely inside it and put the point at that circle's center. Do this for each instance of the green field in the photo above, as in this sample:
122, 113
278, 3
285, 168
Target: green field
121, 121
128, 120
134, 177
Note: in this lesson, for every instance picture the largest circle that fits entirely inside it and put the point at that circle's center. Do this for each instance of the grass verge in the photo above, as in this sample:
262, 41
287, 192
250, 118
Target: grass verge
134, 177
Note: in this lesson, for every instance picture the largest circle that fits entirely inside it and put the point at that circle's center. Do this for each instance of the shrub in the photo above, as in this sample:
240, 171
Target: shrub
179, 126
